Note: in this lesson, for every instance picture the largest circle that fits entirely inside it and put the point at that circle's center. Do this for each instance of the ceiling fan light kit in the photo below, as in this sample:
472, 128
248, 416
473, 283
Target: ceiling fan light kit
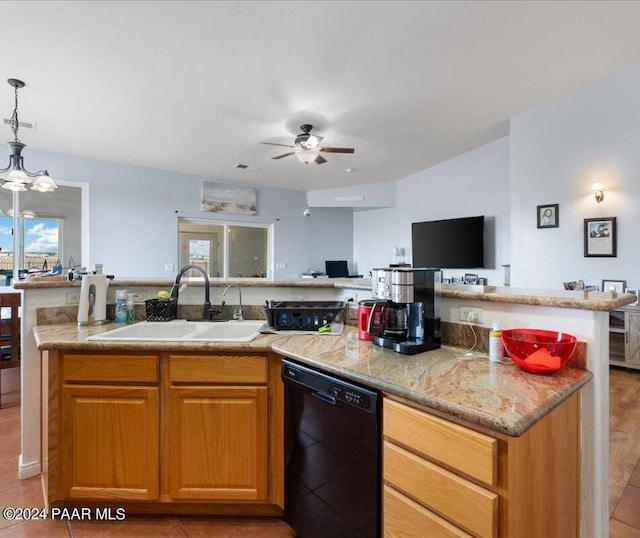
15, 176
307, 155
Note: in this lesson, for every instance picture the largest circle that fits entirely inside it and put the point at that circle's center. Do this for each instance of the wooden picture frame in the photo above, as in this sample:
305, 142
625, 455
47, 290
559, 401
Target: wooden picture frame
618, 285
548, 216
600, 238
470, 278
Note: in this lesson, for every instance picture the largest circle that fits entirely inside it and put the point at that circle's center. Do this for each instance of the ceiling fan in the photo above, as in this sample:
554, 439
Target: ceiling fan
307, 147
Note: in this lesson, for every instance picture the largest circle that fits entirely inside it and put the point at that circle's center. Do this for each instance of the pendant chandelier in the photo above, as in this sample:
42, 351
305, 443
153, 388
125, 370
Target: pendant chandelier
15, 176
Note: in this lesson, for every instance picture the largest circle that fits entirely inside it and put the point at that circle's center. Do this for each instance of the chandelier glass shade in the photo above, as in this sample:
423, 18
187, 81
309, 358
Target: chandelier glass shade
16, 177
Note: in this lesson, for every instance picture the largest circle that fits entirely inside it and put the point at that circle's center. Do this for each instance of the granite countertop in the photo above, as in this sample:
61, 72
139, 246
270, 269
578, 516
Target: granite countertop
577, 299
499, 397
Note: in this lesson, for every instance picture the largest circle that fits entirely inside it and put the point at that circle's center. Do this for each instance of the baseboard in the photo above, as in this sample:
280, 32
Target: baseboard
28, 470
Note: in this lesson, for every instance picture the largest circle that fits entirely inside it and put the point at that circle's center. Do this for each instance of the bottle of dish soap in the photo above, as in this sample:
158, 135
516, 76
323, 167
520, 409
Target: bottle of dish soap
496, 346
131, 309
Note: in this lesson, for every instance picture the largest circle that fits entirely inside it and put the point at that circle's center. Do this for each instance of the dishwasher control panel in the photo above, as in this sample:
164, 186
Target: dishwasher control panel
329, 387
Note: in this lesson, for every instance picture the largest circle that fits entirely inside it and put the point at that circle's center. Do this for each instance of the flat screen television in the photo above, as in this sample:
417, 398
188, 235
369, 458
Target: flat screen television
448, 244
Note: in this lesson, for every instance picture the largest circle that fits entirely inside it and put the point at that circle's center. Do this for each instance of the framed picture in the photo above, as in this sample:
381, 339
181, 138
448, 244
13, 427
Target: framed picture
219, 198
600, 238
446, 281
470, 278
482, 281
632, 291
614, 285
455, 280
548, 216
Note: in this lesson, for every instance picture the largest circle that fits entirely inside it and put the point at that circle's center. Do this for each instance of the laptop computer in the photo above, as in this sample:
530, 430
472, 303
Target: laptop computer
338, 269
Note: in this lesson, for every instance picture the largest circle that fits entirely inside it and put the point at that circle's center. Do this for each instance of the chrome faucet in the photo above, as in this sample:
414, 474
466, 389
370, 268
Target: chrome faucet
237, 314
208, 311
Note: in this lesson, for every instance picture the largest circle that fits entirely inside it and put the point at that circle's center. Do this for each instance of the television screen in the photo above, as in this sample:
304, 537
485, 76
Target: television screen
449, 244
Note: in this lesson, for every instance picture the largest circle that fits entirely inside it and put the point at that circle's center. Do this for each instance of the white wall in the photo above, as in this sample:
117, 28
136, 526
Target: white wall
475, 183
557, 151
133, 218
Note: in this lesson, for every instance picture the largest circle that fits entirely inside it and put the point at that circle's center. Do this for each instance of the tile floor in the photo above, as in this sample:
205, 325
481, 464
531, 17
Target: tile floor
624, 454
28, 493
625, 506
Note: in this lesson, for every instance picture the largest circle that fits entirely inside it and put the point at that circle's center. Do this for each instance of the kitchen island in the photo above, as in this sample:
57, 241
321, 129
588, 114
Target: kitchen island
498, 405
584, 314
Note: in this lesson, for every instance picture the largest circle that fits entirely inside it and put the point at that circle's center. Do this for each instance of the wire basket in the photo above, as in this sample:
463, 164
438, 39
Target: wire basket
161, 309
303, 316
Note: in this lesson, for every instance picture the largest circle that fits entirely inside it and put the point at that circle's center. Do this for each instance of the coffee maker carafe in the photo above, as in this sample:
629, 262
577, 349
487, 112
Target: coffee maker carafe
406, 317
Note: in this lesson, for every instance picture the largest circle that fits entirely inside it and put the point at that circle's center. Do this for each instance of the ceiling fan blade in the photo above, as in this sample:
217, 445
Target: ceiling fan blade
273, 144
320, 159
336, 150
284, 155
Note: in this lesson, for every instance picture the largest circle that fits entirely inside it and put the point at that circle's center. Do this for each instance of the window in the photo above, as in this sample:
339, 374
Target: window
225, 249
39, 244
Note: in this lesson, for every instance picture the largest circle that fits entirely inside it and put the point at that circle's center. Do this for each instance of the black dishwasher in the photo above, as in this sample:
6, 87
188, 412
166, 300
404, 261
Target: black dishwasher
332, 455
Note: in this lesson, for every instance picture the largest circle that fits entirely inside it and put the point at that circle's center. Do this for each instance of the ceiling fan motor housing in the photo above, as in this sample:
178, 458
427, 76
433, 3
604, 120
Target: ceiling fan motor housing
306, 140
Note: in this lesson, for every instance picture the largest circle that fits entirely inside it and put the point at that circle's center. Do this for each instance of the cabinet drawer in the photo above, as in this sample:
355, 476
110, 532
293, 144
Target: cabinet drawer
404, 517
469, 452
218, 369
110, 368
456, 498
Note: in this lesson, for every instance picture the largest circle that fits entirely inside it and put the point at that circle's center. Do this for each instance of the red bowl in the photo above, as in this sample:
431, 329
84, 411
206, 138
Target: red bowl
521, 343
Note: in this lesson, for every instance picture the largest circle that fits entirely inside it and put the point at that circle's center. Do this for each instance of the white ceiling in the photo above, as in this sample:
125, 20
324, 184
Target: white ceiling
196, 86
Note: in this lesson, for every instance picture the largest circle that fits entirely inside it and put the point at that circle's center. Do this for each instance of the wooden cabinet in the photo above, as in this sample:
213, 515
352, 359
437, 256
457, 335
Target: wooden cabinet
218, 420
109, 441
442, 479
201, 432
624, 337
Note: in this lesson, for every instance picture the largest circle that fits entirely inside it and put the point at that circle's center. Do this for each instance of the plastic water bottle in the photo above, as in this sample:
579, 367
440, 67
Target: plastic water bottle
131, 309
496, 346
121, 306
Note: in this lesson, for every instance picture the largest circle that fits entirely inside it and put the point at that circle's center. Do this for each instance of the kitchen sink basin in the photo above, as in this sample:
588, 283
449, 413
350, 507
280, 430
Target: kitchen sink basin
184, 331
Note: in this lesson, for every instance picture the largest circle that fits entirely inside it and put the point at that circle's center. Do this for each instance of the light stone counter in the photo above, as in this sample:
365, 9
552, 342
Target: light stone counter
575, 299
499, 397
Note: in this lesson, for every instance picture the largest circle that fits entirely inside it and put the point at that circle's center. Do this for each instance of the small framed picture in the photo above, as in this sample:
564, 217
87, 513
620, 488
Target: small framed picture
600, 239
482, 281
617, 286
548, 216
446, 281
455, 280
470, 278
632, 291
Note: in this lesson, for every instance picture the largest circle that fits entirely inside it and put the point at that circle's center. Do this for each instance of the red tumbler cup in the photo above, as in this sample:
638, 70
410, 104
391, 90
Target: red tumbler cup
364, 311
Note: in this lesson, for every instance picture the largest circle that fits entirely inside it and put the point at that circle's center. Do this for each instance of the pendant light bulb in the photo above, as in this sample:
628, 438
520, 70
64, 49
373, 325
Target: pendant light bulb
307, 211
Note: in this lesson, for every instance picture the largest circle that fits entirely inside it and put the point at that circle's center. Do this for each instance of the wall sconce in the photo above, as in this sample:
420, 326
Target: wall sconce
598, 191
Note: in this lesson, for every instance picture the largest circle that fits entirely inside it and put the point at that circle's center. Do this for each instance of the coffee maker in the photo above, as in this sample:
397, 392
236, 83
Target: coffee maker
406, 314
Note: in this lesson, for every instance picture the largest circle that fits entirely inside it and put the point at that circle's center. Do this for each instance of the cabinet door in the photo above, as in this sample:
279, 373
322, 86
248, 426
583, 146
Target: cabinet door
218, 444
633, 338
109, 442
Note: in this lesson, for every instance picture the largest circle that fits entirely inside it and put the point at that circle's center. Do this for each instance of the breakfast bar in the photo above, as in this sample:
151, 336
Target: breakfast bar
496, 399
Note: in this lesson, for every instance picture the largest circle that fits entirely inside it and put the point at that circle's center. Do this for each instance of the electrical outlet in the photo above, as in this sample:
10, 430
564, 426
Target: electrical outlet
471, 314
169, 267
351, 304
73, 297
350, 298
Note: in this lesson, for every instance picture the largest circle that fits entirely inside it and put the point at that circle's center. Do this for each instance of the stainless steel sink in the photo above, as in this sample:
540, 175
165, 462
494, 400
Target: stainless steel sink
186, 331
